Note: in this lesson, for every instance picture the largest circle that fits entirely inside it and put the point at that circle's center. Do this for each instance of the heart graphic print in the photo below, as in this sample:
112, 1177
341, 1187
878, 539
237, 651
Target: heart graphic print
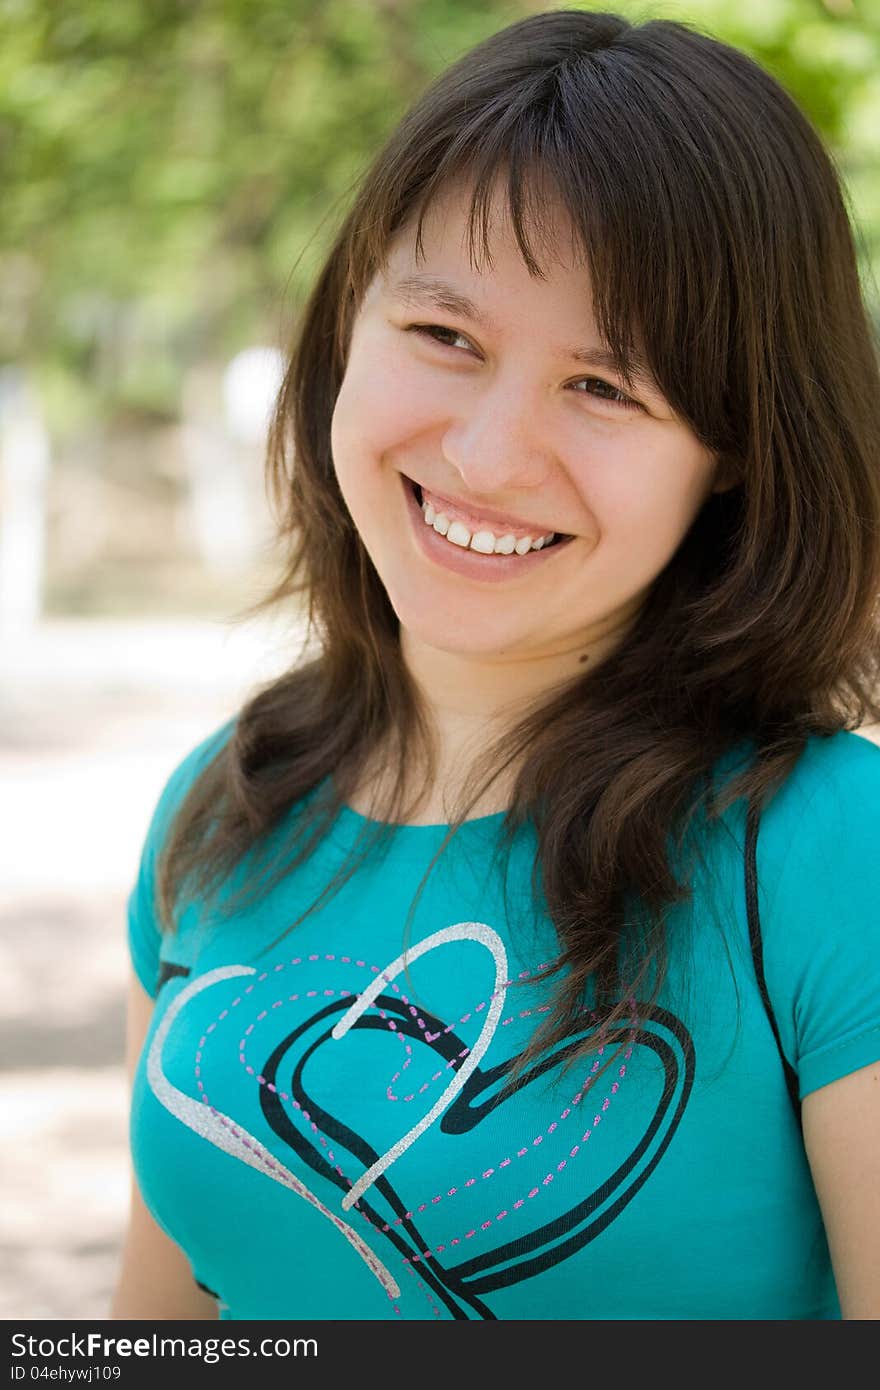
393, 1122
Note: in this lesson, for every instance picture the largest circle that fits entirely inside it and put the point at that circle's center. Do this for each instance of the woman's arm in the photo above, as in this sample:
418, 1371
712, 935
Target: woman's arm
155, 1280
842, 1137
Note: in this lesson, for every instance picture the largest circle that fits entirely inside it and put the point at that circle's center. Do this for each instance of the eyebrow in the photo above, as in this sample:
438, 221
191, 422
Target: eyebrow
430, 289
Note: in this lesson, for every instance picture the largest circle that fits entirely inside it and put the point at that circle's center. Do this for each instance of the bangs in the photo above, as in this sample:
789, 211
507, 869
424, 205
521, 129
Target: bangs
531, 195
643, 215
673, 160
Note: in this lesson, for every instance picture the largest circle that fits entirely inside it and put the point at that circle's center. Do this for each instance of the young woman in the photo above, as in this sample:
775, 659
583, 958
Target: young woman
519, 955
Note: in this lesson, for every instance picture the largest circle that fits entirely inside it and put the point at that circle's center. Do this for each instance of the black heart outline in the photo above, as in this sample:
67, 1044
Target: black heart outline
461, 1283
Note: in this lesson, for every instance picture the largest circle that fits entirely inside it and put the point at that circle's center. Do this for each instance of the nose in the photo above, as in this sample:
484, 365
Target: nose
495, 442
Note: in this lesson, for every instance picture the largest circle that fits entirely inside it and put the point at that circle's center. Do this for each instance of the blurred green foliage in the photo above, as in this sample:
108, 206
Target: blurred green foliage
172, 171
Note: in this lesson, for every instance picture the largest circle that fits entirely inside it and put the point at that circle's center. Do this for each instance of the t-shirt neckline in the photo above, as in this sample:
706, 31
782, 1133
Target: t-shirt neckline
349, 819
349, 825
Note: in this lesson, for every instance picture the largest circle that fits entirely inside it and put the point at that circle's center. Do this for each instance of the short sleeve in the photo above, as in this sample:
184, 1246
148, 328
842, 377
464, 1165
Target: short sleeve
820, 868
144, 935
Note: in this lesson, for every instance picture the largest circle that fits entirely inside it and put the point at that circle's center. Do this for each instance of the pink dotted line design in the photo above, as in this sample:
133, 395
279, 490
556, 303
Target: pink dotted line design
283, 1095
470, 1182
292, 999
372, 1231
527, 1149
431, 1037
489, 1172
295, 1103
262, 1080
426, 1292
534, 1191
270, 1165
344, 993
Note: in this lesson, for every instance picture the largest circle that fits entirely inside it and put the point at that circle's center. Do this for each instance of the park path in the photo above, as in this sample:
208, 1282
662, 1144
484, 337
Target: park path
93, 717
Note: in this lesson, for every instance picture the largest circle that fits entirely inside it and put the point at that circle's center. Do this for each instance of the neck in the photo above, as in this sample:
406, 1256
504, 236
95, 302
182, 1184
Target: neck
464, 693
469, 703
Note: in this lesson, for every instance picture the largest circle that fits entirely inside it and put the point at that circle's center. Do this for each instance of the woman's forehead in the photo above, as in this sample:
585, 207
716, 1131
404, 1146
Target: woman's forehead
470, 223
450, 266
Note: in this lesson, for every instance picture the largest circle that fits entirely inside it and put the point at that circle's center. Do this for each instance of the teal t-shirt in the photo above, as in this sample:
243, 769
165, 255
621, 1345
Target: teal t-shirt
322, 1128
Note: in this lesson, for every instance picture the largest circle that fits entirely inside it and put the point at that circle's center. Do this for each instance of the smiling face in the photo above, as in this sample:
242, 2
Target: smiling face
493, 391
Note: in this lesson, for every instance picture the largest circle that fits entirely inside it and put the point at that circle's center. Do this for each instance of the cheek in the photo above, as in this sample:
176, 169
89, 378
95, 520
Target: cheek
649, 497
384, 401
351, 420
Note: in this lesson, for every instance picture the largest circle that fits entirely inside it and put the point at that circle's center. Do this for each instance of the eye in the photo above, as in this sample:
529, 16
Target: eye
606, 392
437, 333
597, 387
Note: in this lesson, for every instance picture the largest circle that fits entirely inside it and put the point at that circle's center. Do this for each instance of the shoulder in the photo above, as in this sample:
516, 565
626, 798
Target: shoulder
835, 769
826, 813
829, 802
819, 894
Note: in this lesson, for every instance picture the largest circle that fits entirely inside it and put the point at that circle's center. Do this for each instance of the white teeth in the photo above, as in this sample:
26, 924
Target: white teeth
484, 542
459, 535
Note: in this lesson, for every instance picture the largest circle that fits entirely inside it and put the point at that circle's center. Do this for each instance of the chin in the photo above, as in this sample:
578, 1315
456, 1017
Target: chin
454, 636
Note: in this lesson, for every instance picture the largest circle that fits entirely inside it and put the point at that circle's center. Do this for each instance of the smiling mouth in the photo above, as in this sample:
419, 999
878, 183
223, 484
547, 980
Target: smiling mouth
559, 537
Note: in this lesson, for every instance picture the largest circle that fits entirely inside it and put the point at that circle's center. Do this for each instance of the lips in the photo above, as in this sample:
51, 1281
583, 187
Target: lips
497, 568
499, 524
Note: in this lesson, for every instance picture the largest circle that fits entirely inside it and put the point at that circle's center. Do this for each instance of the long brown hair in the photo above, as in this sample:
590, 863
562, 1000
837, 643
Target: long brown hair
717, 236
